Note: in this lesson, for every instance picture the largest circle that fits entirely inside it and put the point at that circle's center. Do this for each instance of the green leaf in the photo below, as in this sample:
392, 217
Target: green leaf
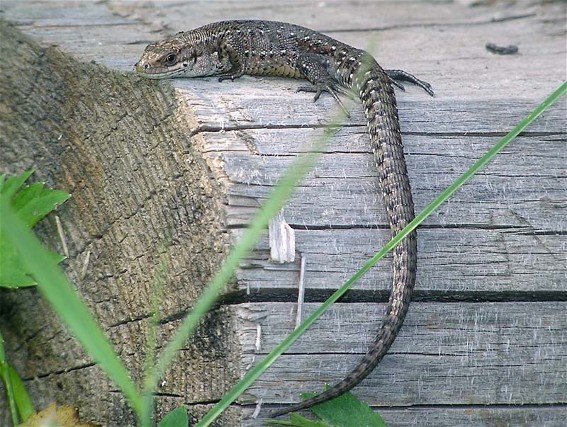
8, 187
22, 399
12, 273
31, 204
35, 202
176, 418
347, 411
343, 411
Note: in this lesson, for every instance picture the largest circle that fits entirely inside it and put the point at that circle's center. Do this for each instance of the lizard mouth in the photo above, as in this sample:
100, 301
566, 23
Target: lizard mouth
149, 72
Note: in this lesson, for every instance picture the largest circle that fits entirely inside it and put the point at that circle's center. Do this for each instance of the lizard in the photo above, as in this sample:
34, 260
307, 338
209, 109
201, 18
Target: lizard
230, 49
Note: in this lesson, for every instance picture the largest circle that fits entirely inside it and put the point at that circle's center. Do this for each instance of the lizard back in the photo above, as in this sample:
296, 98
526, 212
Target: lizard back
230, 49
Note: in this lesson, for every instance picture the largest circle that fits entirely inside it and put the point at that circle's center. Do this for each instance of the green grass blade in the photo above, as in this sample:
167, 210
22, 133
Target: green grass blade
257, 226
281, 193
484, 160
9, 389
259, 369
21, 398
55, 287
158, 285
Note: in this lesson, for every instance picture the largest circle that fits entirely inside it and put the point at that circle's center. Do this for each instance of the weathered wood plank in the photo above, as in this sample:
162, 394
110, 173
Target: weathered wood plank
468, 354
475, 416
433, 416
451, 260
346, 172
274, 103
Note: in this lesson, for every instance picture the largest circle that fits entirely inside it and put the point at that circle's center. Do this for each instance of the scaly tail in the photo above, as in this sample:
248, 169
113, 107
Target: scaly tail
377, 96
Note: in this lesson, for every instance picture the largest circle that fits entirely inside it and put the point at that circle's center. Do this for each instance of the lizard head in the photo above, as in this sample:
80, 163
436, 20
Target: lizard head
175, 57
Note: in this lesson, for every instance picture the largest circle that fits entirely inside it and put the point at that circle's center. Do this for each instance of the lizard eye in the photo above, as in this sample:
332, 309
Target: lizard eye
171, 59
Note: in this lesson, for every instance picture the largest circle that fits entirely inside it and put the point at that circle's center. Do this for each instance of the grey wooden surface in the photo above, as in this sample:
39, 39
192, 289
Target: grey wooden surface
485, 341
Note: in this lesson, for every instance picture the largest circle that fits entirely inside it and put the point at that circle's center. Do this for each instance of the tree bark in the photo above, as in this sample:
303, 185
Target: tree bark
144, 222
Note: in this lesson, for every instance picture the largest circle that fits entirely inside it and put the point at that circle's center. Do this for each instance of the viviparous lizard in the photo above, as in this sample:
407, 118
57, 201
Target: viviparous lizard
230, 49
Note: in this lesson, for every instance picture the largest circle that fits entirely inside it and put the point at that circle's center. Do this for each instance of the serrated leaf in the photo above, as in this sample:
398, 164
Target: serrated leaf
35, 202
12, 273
31, 204
26, 195
8, 187
343, 411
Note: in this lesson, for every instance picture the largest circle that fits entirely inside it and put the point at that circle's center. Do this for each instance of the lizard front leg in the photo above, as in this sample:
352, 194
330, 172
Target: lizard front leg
227, 53
314, 68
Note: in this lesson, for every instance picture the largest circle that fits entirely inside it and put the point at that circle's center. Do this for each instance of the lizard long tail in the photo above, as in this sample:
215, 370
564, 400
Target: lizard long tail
377, 96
